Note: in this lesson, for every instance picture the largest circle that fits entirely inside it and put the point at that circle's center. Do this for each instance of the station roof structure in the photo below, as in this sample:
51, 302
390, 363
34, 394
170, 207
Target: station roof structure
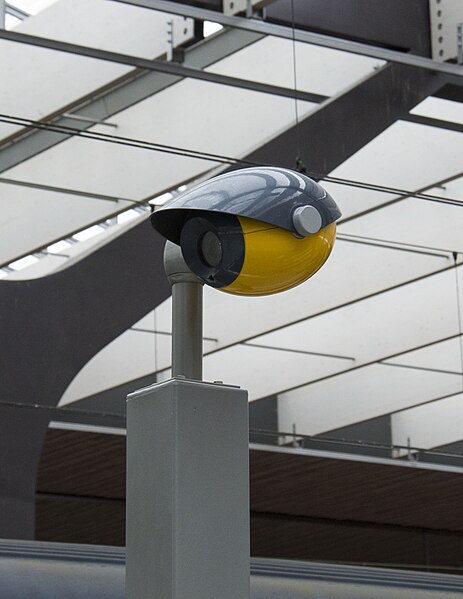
102, 119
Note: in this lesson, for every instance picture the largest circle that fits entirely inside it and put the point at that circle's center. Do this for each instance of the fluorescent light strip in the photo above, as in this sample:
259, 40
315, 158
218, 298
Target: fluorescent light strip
123, 217
87, 428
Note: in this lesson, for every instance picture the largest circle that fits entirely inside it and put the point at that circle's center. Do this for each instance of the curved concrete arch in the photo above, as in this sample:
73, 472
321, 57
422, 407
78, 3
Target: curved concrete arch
50, 327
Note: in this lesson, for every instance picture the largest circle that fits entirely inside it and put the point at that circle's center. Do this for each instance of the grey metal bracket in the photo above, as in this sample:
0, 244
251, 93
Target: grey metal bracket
84, 119
173, 54
178, 32
231, 7
446, 16
16, 12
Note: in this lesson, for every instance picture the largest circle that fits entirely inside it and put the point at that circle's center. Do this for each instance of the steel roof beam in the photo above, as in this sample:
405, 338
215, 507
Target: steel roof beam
129, 90
160, 66
66, 190
355, 116
16, 12
318, 39
139, 85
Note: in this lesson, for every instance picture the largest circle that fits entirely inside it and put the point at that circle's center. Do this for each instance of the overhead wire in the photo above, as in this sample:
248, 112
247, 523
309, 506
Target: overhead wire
219, 158
120, 140
299, 164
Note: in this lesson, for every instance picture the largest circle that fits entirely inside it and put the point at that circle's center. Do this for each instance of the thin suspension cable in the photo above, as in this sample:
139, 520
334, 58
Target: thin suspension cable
392, 190
460, 329
155, 341
67, 191
399, 243
117, 139
153, 146
296, 109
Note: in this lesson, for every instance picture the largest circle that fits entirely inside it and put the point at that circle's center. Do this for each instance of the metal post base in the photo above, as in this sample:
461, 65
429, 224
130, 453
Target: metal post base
187, 492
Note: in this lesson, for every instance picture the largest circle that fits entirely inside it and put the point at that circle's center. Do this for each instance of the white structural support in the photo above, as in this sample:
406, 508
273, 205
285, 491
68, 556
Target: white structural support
231, 7
178, 32
432, 425
445, 17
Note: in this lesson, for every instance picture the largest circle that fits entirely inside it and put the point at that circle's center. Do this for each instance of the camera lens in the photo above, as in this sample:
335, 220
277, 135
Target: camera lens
211, 249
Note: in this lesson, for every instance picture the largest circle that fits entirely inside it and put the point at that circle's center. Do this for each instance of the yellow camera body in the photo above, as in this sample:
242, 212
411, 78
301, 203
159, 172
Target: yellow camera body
275, 260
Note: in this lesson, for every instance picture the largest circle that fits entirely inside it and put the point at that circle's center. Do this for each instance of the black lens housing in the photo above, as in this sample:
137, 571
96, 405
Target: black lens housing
213, 248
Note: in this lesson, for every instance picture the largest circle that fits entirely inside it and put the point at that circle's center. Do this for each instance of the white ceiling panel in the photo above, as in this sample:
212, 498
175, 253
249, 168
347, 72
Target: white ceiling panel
26, 222
134, 354
37, 82
32, 6
406, 156
367, 393
430, 425
353, 271
438, 108
318, 70
416, 222
392, 322
370, 330
133, 173
130, 356
263, 372
165, 118
282, 330
354, 200
441, 356
241, 120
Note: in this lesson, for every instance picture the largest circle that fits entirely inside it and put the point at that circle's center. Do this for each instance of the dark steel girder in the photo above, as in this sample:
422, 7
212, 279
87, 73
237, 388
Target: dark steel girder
403, 26
342, 125
51, 327
453, 71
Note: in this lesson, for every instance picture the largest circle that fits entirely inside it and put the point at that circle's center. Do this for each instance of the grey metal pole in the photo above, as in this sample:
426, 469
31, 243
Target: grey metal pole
187, 315
187, 330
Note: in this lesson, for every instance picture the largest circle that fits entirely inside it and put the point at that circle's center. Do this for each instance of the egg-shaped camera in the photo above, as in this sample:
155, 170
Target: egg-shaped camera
254, 231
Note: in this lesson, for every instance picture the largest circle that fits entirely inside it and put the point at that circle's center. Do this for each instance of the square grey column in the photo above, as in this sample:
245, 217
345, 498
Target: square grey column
187, 492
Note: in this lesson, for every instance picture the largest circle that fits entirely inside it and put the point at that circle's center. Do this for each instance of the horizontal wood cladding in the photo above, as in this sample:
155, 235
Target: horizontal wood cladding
353, 490
83, 464
302, 507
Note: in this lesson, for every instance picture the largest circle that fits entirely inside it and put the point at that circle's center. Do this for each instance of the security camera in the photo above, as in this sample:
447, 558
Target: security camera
254, 231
